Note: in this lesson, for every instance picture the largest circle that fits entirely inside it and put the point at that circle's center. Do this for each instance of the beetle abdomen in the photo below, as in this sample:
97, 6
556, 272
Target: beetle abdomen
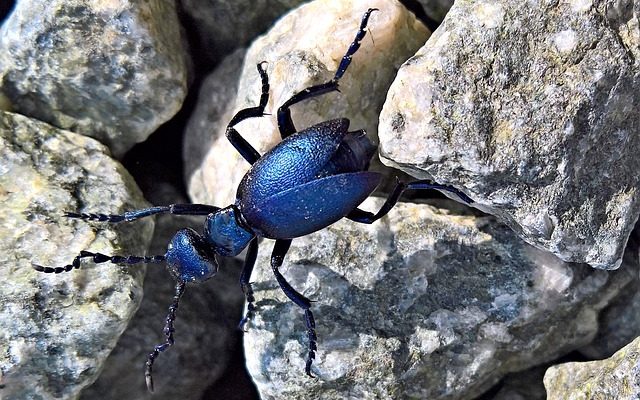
296, 160
353, 155
309, 207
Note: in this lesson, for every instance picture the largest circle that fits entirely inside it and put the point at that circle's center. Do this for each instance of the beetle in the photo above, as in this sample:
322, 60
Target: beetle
308, 181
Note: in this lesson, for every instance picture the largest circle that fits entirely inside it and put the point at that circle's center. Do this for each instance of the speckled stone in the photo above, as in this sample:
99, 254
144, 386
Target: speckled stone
57, 330
532, 109
424, 303
225, 25
617, 377
113, 70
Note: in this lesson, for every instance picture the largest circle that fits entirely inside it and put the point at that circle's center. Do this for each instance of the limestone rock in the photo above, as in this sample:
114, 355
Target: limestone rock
531, 108
111, 70
617, 377
57, 330
424, 303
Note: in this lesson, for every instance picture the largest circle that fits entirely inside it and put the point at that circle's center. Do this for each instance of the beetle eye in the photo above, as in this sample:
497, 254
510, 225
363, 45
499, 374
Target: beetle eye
190, 258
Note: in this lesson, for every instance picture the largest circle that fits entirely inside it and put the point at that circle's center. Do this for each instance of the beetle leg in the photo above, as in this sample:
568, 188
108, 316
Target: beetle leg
98, 258
285, 123
245, 284
175, 209
241, 145
168, 332
277, 257
367, 217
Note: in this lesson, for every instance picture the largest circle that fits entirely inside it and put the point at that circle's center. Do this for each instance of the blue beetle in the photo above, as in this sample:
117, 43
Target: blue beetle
311, 179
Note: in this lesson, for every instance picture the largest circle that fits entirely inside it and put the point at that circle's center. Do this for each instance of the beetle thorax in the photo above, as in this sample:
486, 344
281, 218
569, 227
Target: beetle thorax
226, 232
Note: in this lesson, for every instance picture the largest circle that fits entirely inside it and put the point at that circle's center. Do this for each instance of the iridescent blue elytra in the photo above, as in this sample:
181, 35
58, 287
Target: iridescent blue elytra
308, 181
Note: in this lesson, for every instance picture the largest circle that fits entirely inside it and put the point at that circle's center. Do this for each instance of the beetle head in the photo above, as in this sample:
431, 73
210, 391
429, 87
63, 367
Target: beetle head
190, 257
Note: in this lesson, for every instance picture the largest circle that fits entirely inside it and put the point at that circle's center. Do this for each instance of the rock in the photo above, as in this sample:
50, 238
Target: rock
620, 321
436, 9
223, 26
57, 330
424, 303
531, 109
617, 377
206, 327
111, 70
304, 48
212, 111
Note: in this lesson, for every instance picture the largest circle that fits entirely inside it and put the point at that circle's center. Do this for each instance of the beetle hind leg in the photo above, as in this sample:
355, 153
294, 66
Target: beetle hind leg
285, 123
367, 217
245, 284
277, 257
241, 145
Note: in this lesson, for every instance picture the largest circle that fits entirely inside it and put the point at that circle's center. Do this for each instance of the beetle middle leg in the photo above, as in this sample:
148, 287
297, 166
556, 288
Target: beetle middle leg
367, 217
285, 123
242, 146
277, 257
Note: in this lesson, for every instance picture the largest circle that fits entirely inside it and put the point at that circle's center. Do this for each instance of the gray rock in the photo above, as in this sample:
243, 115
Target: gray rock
304, 48
532, 109
525, 385
225, 25
617, 377
212, 111
111, 70
422, 304
57, 330
436, 9
620, 321
206, 327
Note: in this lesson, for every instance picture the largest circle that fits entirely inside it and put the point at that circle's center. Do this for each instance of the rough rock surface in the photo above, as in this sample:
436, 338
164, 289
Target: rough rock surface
224, 25
436, 9
113, 70
532, 109
206, 327
57, 330
421, 304
304, 48
617, 377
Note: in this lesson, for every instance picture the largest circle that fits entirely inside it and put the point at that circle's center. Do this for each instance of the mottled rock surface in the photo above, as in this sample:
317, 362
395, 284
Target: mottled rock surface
620, 321
422, 304
57, 330
617, 377
532, 109
302, 49
206, 327
436, 9
111, 70
224, 25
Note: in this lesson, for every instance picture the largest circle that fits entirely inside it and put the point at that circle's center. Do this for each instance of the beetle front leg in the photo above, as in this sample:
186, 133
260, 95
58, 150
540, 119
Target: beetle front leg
245, 278
277, 257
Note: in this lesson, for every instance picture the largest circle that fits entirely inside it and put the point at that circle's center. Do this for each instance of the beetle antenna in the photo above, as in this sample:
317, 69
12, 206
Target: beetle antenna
168, 332
98, 258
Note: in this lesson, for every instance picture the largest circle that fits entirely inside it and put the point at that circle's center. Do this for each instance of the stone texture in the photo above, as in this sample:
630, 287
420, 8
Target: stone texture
57, 330
617, 377
206, 326
620, 321
436, 9
424, 303
217, 92
304, 48
531, 108
111, 70
225, 25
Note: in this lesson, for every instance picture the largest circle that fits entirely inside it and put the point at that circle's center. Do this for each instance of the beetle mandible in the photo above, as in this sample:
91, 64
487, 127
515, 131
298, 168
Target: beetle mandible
308, 181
